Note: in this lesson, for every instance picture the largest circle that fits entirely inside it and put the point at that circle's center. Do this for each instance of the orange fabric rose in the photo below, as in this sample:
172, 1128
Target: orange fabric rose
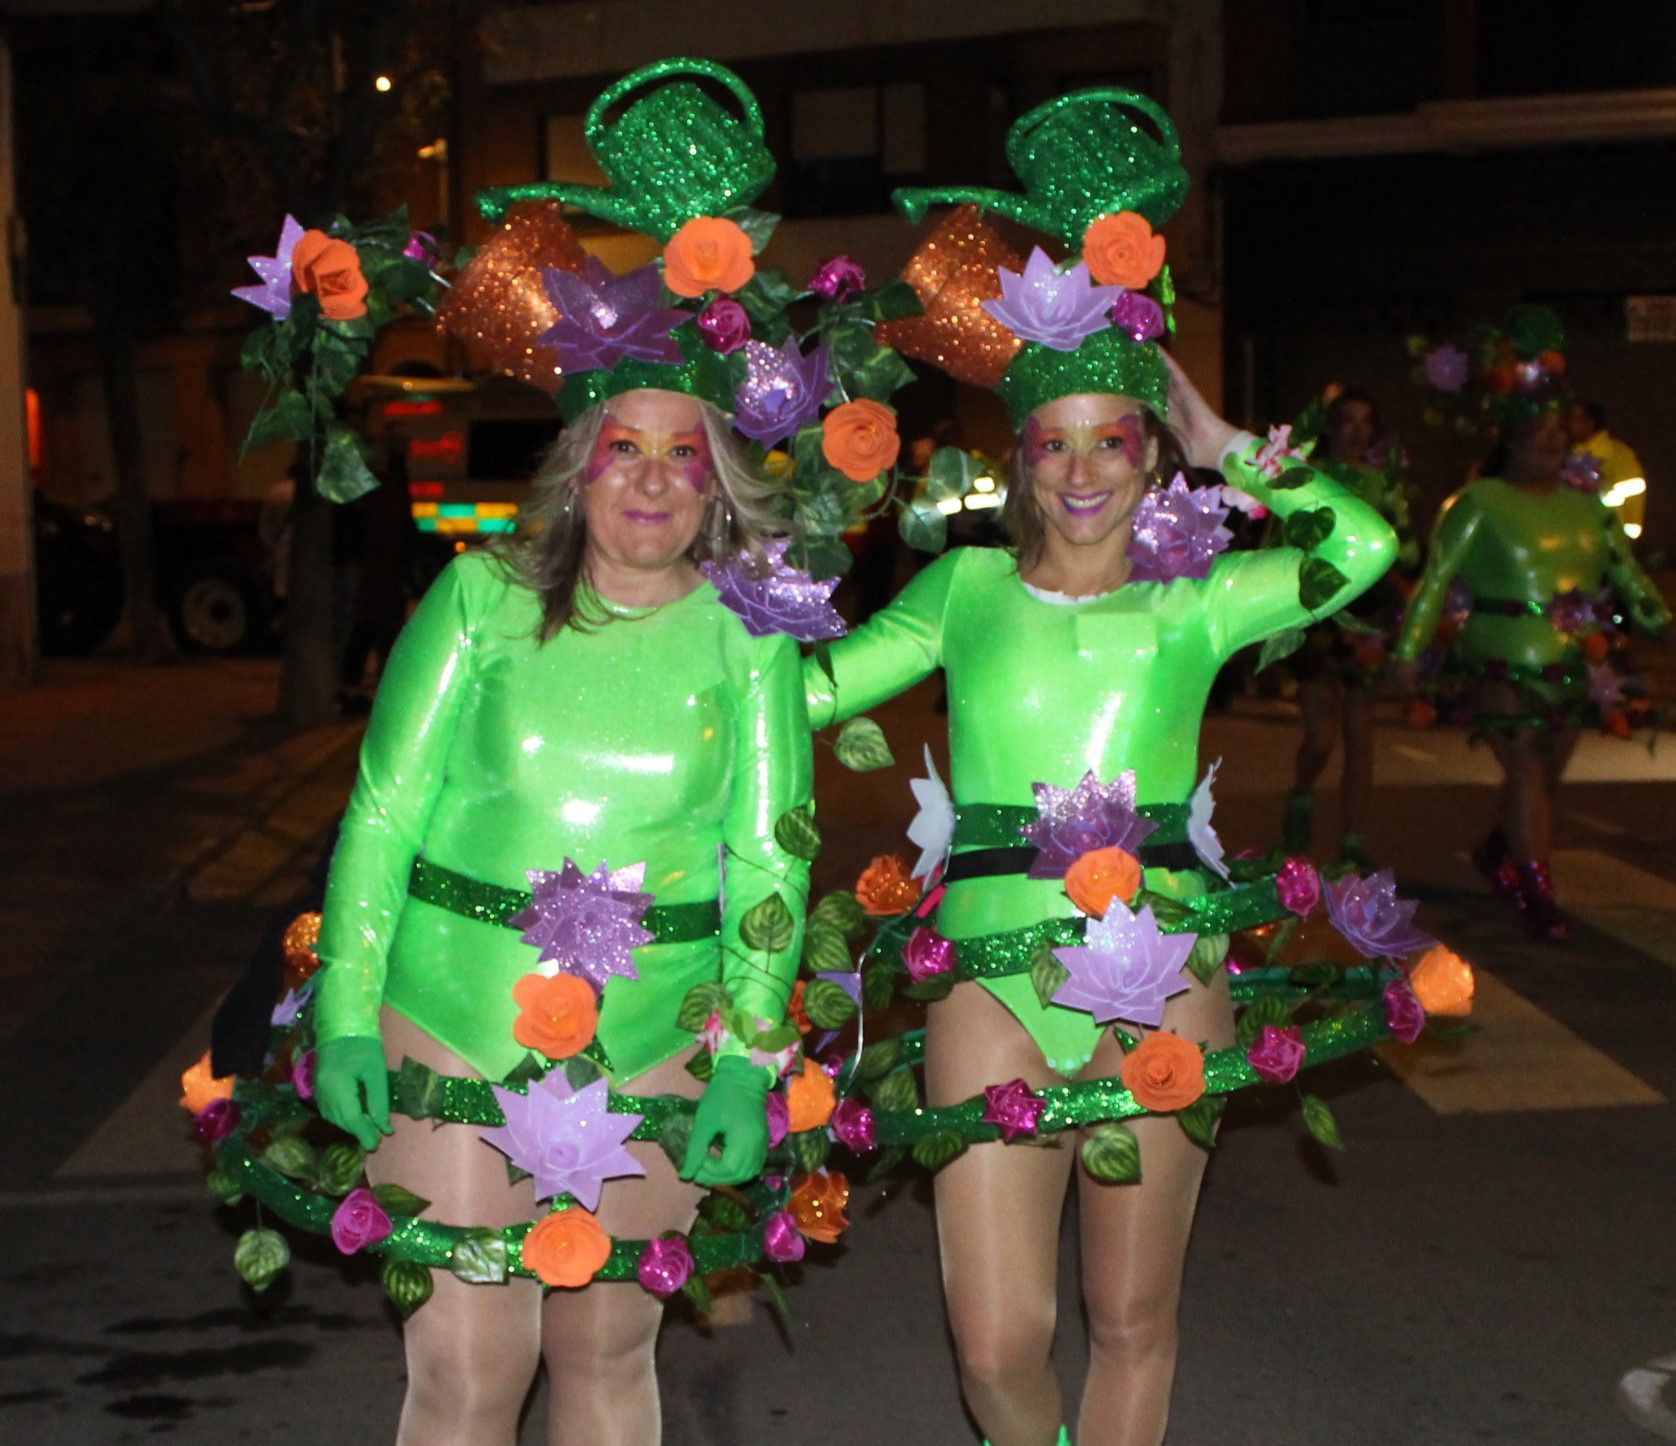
817, 1205
795, 1011
1121, 249
884, 887
1101, 875
859, 438
1442, 982
1554, 361
1596, 646
810, 1097
329, 269
199, 1089
709, 253
1164, 1072
559, 1015
568, 1248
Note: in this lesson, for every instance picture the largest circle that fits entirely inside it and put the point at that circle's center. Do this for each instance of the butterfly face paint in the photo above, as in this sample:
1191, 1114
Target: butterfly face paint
1086, 457
1087, 439
679, 456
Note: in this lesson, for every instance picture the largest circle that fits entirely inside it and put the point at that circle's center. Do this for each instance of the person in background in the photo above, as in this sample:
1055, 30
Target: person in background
1623, 483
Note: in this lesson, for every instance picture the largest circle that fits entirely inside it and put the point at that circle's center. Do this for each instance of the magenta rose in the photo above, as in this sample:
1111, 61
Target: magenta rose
838, 279
780, 1237
928, 954
665, 1266
302, 1075
217, 1120
853, 1126
779, 1117
1298, 886
725, 325
1277, 1053
1403, 1012
1013, 1107
359, 1221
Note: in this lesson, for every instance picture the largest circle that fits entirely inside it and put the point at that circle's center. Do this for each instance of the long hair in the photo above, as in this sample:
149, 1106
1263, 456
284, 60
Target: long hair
548, 551
1021, 517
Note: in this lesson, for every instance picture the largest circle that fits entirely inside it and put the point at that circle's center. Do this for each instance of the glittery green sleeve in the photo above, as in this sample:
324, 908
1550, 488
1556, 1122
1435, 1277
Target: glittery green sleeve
1632, 584
890, 652
1451, 543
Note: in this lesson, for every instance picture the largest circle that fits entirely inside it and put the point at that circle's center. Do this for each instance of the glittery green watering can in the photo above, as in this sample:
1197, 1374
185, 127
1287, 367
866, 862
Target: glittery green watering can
1079, 156
674, 153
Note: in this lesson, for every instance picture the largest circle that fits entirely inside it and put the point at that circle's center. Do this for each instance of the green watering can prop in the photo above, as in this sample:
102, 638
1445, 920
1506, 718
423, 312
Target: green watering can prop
1080, 157
672, 154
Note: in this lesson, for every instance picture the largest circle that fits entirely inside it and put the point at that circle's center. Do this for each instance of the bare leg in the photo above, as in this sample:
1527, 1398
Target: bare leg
1134, 1245
600, 1343
472, 1350
1528, 816
998, 1212
1356, 787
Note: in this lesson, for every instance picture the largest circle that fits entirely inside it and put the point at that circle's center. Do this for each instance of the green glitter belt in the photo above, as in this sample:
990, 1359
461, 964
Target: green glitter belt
994, 825
431, 883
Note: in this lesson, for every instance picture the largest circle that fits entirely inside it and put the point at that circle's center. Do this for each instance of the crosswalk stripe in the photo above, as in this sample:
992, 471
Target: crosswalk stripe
1621, 901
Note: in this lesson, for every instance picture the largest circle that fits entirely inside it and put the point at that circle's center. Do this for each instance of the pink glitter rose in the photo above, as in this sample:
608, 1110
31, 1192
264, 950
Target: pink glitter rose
1277, 1053
359, 1221
838, 279
781, 1239
928, 954
724, 325
1013, 1107
1298, 886
853, 1126
1403, 1013
217, 1120
779, 1118
665, 1266
302, 1075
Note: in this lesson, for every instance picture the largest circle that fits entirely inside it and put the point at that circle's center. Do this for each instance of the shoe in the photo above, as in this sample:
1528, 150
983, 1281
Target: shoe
1535, 896
1492, 859
1352, 851
1298, 825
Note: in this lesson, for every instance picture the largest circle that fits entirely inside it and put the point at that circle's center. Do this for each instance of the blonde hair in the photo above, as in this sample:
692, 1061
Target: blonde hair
548, 551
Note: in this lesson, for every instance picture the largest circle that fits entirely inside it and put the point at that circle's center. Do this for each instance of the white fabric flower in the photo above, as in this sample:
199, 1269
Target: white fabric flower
933, 826
1199, 832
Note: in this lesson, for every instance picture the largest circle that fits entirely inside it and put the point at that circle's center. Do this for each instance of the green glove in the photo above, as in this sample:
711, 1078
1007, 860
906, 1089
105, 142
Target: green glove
732, 1114
352, 1088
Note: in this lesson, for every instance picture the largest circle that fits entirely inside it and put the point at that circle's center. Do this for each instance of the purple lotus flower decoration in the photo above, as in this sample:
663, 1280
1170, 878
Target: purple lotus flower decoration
1055, 308
1446, 368
604, 318
566, 1138
1138, 315
1372, 918
933, 826
1606, 688
769, 595
274, 293
587, 924
783, 391
1073, 821
286, 1011
1199, 832
1014, 1107
1572, 612
1582, 471
1178, 532
1125, 969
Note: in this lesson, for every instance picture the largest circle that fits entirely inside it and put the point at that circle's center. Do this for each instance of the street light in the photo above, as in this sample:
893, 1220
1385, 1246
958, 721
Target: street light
383, 84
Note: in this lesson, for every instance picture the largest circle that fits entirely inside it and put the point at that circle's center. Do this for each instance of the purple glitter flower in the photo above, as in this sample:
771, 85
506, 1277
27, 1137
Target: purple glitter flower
1582, 471
927, 954
1372, 918
302, 1074
933, 826
1606, 688
853, 1126
218, 1119
1572, 612
421, 246
781, 1239
769, 595
725, 325
1138, 315
274, 293
359, 1221
286, 1011
1405, 1016
1058, 309
783, 391
1178, 532
665, 1265
1446, 368
1277, 1053
1298, 886
1199, 832
1013, 1107
587, 924
604, 318
1075, 821
779, 1117
1457, 601
566, 1138
838, 278
1125, 969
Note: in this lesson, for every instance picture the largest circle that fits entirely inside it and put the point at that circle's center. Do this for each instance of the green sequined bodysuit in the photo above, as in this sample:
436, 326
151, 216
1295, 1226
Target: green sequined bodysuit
661, 737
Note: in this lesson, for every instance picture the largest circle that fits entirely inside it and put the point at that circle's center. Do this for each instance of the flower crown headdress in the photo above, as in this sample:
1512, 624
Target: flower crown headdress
1493, 379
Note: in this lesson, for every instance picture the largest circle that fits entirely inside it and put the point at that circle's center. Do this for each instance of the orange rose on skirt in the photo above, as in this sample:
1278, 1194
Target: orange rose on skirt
1101, 875
569, 1248
709, 253
1442, 982
1164, 1072
810, 1098
558, 1016
860, 439
199, 1088
1120, 249
817, 1204
884, 887
329, 269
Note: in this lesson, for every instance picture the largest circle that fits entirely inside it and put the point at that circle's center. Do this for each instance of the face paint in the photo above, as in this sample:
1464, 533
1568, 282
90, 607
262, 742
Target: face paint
1083, 439
685, 455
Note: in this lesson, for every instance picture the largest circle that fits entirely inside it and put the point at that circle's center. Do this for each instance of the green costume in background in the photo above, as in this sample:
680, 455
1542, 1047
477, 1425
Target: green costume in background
664, 736
1043, 691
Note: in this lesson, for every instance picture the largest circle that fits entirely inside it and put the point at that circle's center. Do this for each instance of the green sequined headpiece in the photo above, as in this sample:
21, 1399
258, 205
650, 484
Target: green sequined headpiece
1108, 361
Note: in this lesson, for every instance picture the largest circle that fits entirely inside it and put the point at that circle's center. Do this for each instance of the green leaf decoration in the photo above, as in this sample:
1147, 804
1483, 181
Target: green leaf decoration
290, 419
1321, 1122
1172, 915
702, 1066
527, 1071
1310, 528
480, 1258
725, 1212
416, 1090
929, 991
340, 1168
896, 1092
1316, 974
1451, 1029
765, 296
768, 926
580, 1071
891, 302
886, 1161
1209, 950
951, 474
824, 949
878, 1060
1280, 940
796, 833
1318, 583
291, 1156
674, 1137
923, 527
1127, 1042
407, 1283
260, 1257
861, 746
758, 225
224, 1186
878, 984
822, 654
842, 910
1278, 646
1265, 1009
344, 474
772, 1041
699, 1003
776, 1298
1112, 1154
515, 1175
1291, 478
882, 374
698, 1293
828, 1005
936, 1150
1198, 1120
1047, 974
1348, 620
810, 1149
399, 1200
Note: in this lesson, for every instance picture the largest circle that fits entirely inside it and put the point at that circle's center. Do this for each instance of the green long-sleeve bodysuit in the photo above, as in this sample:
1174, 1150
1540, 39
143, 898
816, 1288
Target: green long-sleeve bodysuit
1042, 692
1522, 549
662, 736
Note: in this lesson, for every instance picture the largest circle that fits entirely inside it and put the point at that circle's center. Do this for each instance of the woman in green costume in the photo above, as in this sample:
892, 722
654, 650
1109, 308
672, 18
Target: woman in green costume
1063, 665
1545, 561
